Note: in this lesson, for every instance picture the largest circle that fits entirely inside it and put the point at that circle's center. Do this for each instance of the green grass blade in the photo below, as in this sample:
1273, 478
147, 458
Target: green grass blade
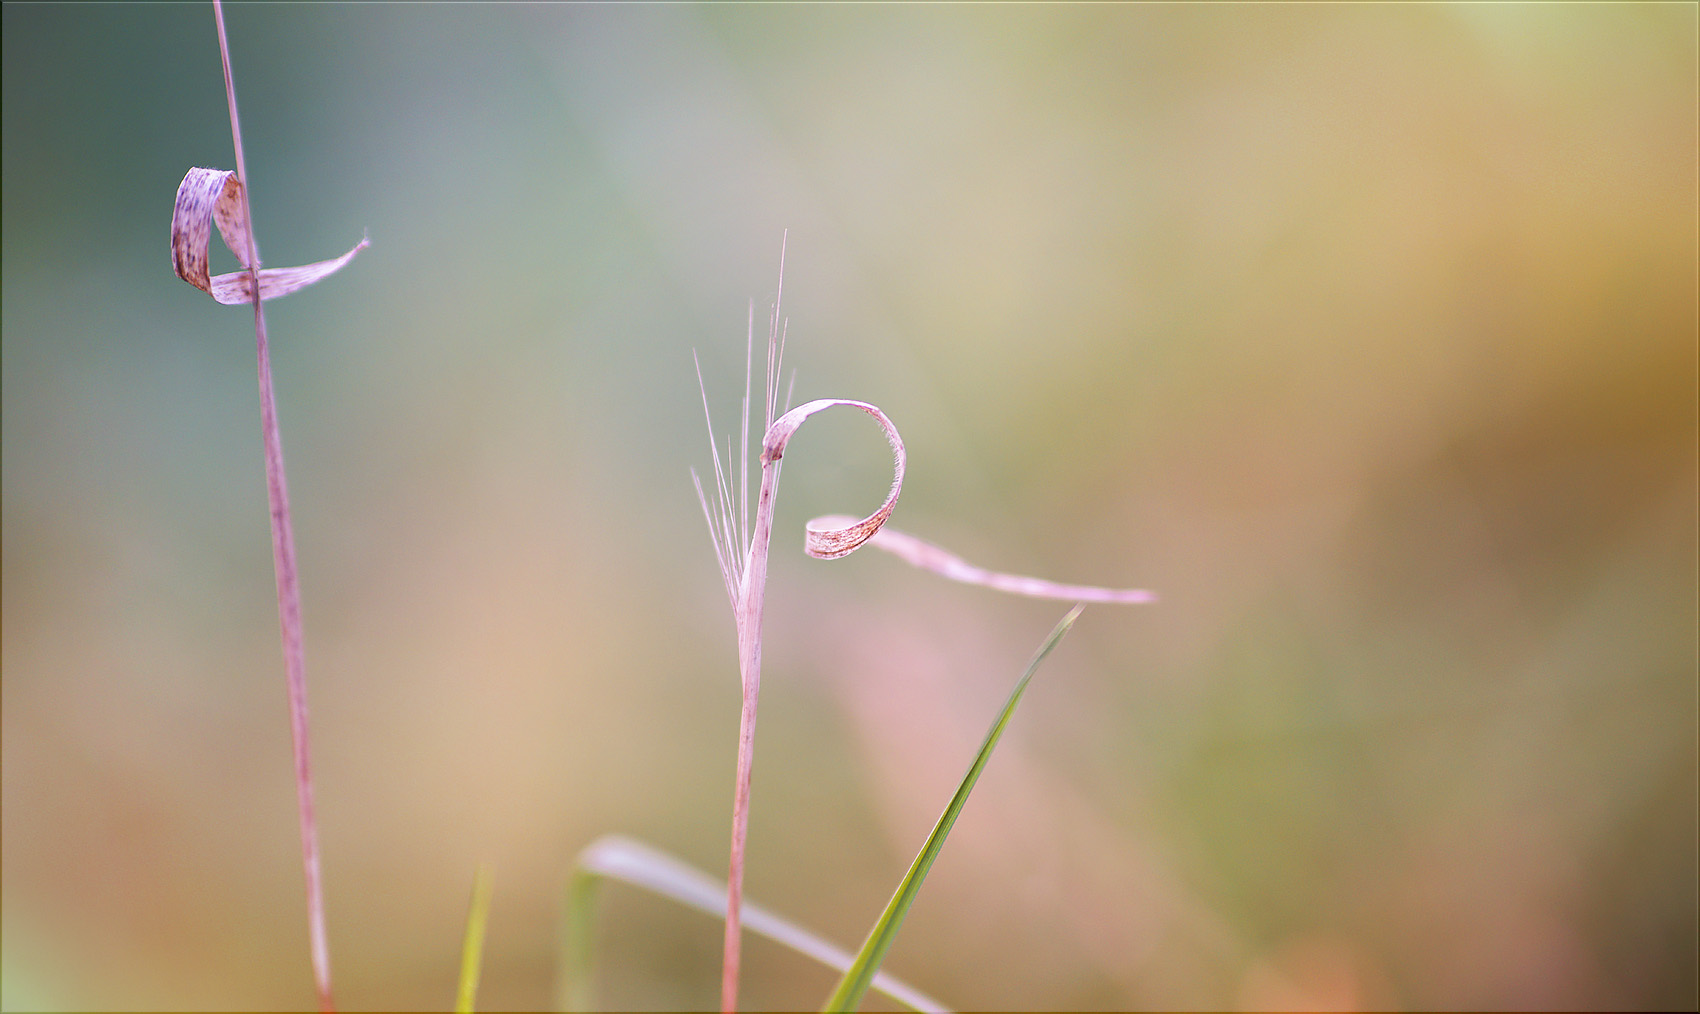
614, 857
854, 985
575, 989
472, 948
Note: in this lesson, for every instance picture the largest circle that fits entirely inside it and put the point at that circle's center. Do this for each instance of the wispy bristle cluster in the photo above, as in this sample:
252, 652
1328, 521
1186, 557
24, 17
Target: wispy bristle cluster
729, 515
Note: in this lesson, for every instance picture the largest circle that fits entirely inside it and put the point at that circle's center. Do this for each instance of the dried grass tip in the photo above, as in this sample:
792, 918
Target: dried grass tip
209, 196
927, 556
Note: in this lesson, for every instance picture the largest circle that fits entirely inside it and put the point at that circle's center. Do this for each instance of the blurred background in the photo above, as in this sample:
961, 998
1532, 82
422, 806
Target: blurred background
1365, 336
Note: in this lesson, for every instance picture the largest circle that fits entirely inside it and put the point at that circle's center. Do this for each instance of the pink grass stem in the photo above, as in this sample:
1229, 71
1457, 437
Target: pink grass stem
731, 957
742, 555
747, 611
288, 583
751, 597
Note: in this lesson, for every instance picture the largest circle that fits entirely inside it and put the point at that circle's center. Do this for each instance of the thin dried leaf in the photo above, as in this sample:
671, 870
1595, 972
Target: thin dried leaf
209, 197
837, 535
617, 857
923, 554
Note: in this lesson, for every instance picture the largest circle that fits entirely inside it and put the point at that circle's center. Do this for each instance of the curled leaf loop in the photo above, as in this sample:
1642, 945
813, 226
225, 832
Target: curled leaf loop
829, 542
209, 197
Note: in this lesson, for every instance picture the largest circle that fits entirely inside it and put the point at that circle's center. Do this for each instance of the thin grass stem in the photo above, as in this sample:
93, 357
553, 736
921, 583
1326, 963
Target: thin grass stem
283, 560
746, 585
747, 610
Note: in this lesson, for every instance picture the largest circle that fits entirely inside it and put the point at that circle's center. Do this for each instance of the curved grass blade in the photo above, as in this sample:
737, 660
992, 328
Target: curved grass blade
927, 556
614, 857
472, 948
854, 985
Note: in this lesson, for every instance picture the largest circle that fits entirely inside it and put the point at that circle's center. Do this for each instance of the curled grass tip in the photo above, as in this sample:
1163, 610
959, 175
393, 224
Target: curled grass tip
214, 197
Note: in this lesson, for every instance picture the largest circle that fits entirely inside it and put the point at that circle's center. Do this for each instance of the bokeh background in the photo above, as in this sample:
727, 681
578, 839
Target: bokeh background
1365, 335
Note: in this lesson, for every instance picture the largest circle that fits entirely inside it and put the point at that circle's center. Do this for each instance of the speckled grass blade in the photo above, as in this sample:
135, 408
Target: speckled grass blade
854, 985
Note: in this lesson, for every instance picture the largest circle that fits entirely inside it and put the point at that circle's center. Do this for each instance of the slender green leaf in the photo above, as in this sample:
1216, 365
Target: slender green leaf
618, 858
472, 948
854, 985
575, 990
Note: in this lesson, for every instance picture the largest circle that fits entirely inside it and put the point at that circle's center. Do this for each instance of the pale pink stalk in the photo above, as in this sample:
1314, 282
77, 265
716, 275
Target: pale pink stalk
746, 586
283, 560
742, 554
748, 609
